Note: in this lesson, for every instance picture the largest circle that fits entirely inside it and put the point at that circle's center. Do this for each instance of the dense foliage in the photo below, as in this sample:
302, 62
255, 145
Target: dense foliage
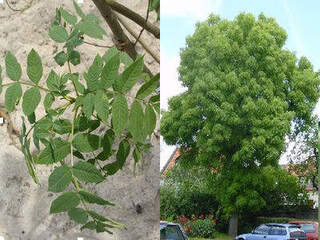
245, 94
107, 119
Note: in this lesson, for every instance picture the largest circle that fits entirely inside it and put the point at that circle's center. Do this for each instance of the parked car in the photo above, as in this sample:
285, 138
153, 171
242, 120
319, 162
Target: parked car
309, 227
171, 231
275, 231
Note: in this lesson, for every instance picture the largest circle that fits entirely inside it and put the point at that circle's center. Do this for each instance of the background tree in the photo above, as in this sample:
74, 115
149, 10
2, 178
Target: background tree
245, 94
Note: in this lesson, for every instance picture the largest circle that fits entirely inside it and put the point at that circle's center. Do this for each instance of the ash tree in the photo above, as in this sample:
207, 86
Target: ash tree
245, 93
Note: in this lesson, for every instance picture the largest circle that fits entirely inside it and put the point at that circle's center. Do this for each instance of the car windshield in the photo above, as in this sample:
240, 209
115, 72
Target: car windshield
307, 227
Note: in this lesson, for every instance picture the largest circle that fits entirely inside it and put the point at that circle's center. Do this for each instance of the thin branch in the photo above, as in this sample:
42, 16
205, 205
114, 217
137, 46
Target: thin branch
122, 42
134, 17
26, 83
147, 17
97, 45
141, 41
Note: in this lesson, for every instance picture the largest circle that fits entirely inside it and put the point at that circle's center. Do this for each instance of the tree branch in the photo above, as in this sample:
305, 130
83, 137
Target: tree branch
142, 42
134, 17
122, 43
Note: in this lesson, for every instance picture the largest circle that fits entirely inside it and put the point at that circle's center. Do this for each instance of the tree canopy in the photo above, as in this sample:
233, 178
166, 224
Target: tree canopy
245, 93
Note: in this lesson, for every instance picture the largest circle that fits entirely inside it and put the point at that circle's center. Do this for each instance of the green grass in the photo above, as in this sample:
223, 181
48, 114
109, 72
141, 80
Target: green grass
220, 236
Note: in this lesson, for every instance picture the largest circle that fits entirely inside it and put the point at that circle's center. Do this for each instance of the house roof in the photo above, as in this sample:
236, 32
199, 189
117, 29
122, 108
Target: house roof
175, 154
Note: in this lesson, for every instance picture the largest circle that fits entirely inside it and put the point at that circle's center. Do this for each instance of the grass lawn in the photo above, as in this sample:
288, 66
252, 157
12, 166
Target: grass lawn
220, 236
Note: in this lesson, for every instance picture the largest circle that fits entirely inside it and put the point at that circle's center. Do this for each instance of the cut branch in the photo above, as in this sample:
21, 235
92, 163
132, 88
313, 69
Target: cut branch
122, 42
134, 17
141, 41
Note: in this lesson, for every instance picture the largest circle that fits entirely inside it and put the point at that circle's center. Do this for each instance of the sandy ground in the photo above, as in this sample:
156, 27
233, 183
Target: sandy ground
24, 206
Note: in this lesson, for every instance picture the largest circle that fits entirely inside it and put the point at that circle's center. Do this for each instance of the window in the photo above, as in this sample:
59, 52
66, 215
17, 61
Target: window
263, 230
171, 233
278, 230
308, 227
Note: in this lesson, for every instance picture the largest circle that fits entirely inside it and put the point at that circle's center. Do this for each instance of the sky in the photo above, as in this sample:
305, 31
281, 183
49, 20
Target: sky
301, 20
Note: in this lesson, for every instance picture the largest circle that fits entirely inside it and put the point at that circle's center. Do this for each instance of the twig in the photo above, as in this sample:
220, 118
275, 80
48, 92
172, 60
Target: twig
97, 45
146, 47
19, 10
134, 17
122, 43
135, 43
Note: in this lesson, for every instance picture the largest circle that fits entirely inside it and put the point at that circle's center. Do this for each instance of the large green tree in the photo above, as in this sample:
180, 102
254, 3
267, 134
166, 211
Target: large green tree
245, 93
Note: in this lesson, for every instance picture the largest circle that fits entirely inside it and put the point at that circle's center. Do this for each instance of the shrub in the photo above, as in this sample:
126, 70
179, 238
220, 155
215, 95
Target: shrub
201, 228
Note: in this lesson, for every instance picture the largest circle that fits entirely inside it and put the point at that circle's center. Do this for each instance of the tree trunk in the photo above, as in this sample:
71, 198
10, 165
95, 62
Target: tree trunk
233, 225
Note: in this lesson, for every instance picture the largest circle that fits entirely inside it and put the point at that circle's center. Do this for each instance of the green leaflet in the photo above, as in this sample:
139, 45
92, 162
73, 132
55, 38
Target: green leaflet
78, 9
74, 40
12, 96
34, 66
88, 104
54, 152
119, 114
91, 28
110, 71
122, 154
68, 17
147, 88
61, 58
78, 215
101, 105
58, 34
75, 78
155, 98
106, 144
85, 142
13, 68
87, 172
59, 179
150, 120
136, 122
62, 126
48, 101
91, 198
65, 202
92, 77
110, 53
53, 81
89, 225
31, 100
74, 57
130, 76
